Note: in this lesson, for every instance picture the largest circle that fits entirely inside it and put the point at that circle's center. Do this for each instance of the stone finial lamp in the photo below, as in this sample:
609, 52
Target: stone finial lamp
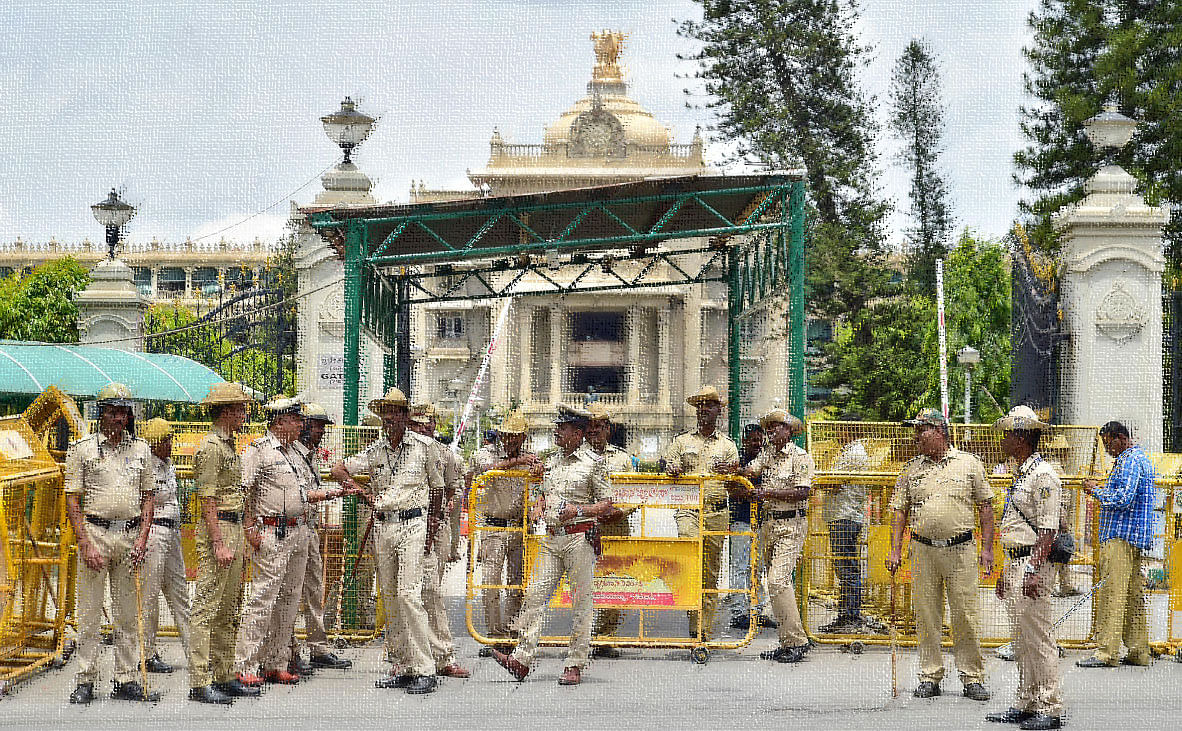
347, 127
114, 214
1110, 130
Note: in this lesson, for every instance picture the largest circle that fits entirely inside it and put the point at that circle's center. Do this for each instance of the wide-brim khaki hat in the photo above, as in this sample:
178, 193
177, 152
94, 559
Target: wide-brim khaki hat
780, 416
1021, 418
225, 393
313, 411
513, 423
422, 413
285, 406
393, 398
706, 394
599, 412
154, 431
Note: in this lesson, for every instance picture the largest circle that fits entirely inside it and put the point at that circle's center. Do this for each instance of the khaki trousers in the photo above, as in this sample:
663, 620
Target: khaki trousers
312, 594
453, 534
164, 573
783, 542
687, 527
216, 608
114, 546
277, 577
398, 553
557, 555
1034, 647
1120, 603
502, 558
951, 572
607, 621
442, 645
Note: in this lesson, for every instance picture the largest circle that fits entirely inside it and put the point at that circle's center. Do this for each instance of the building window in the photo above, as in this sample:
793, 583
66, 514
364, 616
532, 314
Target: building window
600, 379
171, 281
143, 280
597, 325
205, 281
239, 279
449, 327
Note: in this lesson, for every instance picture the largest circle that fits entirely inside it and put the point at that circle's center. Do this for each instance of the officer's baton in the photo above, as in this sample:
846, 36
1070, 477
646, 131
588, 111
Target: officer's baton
1079, 603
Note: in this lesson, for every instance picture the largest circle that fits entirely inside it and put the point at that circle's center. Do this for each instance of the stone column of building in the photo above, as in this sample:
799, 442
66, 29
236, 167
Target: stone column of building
523, 322
556, 359
188, 282
664, 354
632, 368
1111, 298
111, 309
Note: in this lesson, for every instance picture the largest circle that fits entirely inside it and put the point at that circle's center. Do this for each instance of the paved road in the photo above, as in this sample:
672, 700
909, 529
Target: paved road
656, 689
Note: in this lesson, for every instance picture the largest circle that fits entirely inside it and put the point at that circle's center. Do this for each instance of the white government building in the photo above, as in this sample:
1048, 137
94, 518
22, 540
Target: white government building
642, 352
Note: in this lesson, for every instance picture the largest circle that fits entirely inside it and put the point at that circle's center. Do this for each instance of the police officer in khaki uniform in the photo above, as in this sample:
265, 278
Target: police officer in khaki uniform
1029, 523
500, 505
702, 451
315, 421
406, 492
786, 473
618, 460
276, 478
572, 498
443, 647
109, 485
221, 551
165, 565
936, 495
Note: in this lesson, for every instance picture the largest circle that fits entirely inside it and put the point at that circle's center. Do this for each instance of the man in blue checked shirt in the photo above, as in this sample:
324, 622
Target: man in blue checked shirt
1126, 532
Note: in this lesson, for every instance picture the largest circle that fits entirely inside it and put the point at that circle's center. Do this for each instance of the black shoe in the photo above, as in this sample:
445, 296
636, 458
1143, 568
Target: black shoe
155, 665
209, 694
236, 689
421, 684
1126, 661
83, 694
133, 691
927, 689
330, 661
768, 622
1039, 722
1010, 715
394, 681
976, 692
784, 654
741, 621
605, 652
300, 667
1093, 662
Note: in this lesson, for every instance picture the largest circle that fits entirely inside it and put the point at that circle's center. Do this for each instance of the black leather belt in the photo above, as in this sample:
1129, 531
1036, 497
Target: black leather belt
166, 522
118, 524
501, 522
273, 520
945, 542
1019, 551
786, 514
229, 516
398, 515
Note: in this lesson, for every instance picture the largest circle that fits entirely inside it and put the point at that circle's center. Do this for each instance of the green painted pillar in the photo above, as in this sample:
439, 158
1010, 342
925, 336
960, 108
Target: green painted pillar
354, 246
734, 304
795, 215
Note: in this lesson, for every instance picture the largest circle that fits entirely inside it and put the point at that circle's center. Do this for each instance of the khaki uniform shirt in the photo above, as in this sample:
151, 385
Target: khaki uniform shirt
784, 468
1037, 492
617, 460
580, 478
848, 502
275, 478
401, 476
503, 497
696, 454
312, 510
217, 471
166, 506
451, 468
941, 497
112, 479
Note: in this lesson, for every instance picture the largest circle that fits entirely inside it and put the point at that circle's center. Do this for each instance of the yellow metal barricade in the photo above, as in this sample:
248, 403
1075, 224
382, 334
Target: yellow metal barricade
644, 573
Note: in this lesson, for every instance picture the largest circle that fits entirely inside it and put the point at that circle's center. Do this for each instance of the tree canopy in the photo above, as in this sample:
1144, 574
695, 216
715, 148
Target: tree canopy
39, 306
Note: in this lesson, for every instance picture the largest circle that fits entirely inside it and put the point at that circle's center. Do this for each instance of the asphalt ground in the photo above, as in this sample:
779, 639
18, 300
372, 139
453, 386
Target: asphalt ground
657, 689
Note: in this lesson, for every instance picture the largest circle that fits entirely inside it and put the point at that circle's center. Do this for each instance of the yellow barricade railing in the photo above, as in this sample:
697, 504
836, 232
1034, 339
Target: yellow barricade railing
640, 572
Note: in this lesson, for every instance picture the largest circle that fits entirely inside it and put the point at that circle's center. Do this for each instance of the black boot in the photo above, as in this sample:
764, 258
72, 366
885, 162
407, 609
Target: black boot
331, 661
155, 665
83, 694
133, 691
209, 694
422, 684
236, 689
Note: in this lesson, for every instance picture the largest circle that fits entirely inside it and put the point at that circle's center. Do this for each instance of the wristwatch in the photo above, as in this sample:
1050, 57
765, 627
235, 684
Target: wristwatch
1030, 569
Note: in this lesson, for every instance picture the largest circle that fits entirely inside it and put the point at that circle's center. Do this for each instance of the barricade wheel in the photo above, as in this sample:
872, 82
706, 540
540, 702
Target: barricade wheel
700, 655
857, 647
1178, 654
5, 687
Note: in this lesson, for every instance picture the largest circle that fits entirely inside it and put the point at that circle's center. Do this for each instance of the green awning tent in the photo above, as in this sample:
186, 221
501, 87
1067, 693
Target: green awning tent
81, 370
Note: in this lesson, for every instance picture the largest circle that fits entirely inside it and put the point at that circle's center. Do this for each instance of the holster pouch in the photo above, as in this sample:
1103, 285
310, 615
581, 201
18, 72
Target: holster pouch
594, 538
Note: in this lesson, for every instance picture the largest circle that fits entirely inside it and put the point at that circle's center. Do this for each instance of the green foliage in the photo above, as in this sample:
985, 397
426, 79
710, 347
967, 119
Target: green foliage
917, 119
39, 306
886, 355
1086, 53
781, 77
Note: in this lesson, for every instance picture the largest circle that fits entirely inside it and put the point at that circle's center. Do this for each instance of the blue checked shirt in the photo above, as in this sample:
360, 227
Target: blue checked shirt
1127, 500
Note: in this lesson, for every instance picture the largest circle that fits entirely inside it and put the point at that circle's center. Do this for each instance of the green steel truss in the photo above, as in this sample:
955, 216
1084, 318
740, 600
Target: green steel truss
747, 231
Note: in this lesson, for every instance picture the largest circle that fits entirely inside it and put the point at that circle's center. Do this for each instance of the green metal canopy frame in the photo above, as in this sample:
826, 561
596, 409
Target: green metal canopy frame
746, 231
396, 256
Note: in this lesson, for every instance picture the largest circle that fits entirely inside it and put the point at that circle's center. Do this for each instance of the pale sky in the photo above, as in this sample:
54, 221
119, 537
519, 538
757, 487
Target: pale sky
207, 113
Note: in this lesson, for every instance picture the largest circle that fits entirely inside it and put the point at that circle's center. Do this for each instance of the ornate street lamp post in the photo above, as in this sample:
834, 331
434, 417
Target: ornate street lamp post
347, 127
114, 215
969, 357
